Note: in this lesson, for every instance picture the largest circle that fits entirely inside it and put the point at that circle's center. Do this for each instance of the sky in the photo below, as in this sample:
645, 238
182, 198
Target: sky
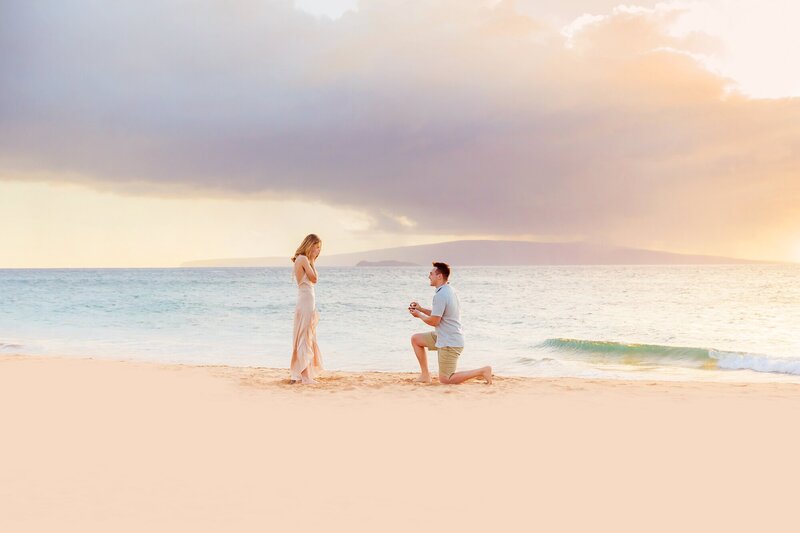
148, 133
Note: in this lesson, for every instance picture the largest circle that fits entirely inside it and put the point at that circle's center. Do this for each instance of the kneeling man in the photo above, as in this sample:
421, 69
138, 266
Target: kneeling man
448, 339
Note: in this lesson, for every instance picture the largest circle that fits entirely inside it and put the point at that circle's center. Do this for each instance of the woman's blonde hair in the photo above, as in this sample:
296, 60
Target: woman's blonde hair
305, 247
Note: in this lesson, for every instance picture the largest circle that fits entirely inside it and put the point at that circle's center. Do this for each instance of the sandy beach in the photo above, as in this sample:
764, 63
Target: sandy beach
96, 445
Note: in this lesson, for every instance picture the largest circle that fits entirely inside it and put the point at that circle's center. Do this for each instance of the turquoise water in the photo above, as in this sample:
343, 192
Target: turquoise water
725, 323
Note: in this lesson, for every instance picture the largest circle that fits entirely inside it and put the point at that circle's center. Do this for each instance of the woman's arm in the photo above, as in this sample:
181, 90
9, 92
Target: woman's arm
306, 267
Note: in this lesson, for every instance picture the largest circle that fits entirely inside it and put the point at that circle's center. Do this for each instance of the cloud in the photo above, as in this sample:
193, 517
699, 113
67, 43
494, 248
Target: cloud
445, 116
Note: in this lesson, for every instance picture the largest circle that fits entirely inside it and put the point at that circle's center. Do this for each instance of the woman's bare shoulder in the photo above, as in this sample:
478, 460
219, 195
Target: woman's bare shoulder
301, 260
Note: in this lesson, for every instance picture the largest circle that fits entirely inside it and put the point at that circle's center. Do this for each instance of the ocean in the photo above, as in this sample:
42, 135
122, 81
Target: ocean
697, 323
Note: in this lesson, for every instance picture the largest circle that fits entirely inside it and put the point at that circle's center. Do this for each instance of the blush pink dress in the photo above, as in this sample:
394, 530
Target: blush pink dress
305, 352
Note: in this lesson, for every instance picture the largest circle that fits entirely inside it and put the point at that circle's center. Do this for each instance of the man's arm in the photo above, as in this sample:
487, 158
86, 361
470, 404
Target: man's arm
432, 316
420, 308
430, 320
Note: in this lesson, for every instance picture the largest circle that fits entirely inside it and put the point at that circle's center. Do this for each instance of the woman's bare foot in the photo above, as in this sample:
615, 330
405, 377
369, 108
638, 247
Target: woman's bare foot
487, 374
305, 379
424, 378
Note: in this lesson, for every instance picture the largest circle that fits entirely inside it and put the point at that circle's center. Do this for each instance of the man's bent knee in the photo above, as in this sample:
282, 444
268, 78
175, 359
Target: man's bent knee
444, 379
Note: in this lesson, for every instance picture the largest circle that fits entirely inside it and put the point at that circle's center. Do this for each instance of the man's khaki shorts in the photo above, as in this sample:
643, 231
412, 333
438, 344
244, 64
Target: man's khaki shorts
448, 355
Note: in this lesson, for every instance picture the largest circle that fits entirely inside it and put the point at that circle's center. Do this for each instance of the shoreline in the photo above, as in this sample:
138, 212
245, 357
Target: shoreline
330, 377
102, 445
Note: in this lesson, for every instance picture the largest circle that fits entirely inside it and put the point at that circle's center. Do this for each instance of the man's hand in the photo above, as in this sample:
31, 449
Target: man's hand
415, 312
416, 307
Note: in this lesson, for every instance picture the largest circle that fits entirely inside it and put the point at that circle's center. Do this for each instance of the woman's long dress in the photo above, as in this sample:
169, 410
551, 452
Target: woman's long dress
305, 353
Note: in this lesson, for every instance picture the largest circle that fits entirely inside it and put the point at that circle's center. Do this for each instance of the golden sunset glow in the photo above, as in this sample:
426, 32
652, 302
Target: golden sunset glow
59, 226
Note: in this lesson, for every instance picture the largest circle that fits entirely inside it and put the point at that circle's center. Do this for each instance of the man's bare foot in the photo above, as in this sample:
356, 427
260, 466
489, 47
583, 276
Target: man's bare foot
424, 378
487, 374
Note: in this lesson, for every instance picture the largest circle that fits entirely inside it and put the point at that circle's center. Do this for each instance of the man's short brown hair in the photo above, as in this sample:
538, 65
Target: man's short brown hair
443, 268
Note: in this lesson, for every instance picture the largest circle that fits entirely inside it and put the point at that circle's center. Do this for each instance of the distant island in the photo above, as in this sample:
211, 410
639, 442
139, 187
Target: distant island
385, 264
492, 253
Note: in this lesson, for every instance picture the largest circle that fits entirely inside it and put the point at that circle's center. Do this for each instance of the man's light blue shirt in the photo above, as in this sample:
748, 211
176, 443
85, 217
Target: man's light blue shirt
446, 305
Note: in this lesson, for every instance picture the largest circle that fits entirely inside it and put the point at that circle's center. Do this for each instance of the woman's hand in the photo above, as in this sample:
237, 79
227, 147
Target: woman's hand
308, 267
314, 252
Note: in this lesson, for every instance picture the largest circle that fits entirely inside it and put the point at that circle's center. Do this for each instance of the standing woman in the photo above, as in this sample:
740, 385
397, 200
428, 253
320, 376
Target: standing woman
306, 357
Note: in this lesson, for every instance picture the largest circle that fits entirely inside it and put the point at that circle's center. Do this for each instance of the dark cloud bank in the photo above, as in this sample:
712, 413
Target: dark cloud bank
460, 117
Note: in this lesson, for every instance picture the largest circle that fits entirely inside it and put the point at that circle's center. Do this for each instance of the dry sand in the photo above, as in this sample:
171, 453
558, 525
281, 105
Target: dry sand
92, 445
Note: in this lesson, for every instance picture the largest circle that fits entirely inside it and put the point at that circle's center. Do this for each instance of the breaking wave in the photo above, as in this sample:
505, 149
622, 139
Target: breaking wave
655, 354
